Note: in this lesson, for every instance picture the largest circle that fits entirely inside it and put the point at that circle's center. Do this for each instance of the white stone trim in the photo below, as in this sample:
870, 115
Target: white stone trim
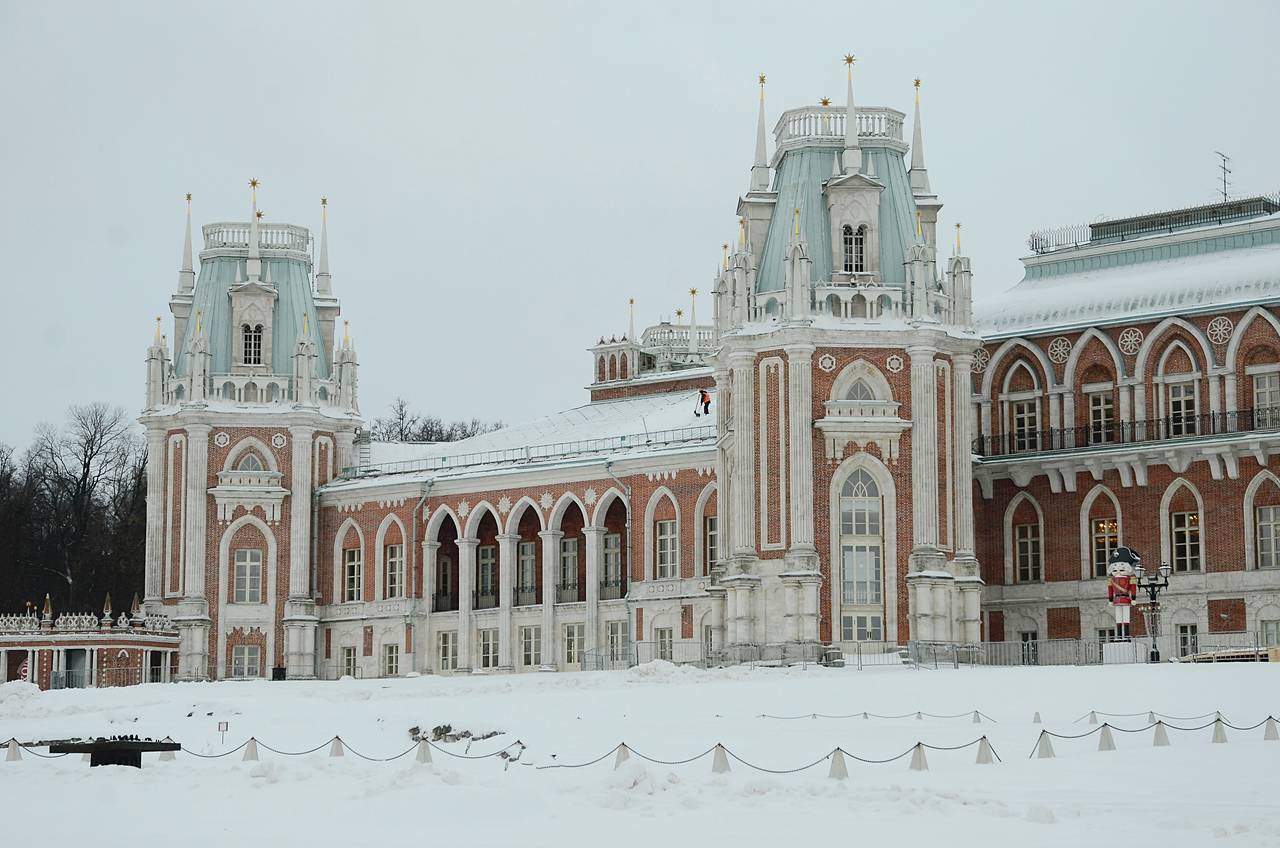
1251, 517
517, 513
247, 443
993, 365
556, 517
1086, 529
247, 616
650, 508
476, 515
1010, 551
700, 568
605, 501
380, 555
888, 530
339, 596
762, 413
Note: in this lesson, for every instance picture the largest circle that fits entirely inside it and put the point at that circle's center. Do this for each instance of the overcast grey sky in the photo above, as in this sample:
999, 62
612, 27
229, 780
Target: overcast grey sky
503, 176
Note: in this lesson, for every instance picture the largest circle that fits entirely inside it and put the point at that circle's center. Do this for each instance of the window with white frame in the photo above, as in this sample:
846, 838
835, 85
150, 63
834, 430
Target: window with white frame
616, 633
1026, 425
486, 571
1182, 409
860, 250
708, 638
249, 462
1026, 539
444, 576
1269, 632
663, 640
246, 661
569, 563
393, 571
1106, 634
860, 391
248, 576
390, 660
862, 628
531, 646
447, 644
348, 661
574, 636
710, 537
846, 234
861, 550
489, 648
667, 560
352, 575
1266, 400
1268, 530
1185, 527
1106, 538
1102, 418
1188, 639
527, 559
613, 559
252, 337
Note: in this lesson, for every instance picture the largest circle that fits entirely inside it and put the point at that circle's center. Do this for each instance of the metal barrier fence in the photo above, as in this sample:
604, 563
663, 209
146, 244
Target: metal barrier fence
79, 678
1186, 646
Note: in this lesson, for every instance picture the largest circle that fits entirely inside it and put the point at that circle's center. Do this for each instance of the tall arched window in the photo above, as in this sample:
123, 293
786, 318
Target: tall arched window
252, 344
861, 391
847, 234
860, 250
861, 558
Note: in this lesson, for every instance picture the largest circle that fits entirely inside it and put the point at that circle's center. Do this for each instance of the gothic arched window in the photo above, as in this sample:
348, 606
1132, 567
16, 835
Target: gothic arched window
860, 250
249, 462
861, 391
847, 240
252, 344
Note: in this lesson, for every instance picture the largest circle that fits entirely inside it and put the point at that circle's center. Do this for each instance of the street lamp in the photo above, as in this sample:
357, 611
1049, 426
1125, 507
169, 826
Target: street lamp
1153, 584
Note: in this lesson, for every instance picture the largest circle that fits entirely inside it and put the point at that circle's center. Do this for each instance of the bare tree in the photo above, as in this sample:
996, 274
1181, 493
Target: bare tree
405, 425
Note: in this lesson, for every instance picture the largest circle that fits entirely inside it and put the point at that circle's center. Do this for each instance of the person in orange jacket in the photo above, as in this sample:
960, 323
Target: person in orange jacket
704, 400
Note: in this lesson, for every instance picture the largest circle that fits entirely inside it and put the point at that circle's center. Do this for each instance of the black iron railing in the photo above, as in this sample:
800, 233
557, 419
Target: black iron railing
613, 588
444, 602
567, 593
484, 599
1129, 432
524, 596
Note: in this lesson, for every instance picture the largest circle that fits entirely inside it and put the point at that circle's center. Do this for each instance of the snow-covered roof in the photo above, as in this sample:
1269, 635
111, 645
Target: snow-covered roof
601, 430
1211, 268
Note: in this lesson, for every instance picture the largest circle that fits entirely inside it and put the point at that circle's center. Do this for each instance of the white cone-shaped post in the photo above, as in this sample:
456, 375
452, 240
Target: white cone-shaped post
1093, 717
720, 761
1044, 748
623, 755
335, 749
838, 769
1161, 739
1219, 732
1271, 734
1105, 741
918, 761
250, 751
167, 756
1035, 719
13, 755
977, 718
919, 716
865, 716
424, 751
985, 755
1151, 718
86, 758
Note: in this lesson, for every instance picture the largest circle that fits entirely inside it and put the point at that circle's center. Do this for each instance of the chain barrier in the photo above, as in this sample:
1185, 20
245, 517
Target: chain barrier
1105, 726
865, 715
31, 750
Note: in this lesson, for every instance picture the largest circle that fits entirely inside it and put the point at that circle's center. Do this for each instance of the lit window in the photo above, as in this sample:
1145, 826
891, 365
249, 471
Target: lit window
1027, 541
246, 661
252, 344
448, 650
1106, 538
1268, 536
709, 536
390, 660
248, 576
1186, 540
531, 646
1101, 418
353, 575
1182, 409
668, 552
393, 571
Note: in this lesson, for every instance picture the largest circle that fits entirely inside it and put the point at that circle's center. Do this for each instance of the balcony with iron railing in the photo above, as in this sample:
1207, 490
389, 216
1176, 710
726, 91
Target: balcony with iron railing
444, 602
567, 592
1150, 430
526, 596
484, 599
613, 588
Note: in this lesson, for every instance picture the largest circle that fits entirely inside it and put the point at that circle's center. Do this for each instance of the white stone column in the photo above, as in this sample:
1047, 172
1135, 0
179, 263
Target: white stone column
595, 550
962, 467
1232, 399
550, 584
300, 616
942, 610
924, 451
724, 485
800, 441
4, 666
792, 600
344, 449
466, 581
922, 604
430, 560
193, 611
743, 512
507, 565
156, 440
730, 616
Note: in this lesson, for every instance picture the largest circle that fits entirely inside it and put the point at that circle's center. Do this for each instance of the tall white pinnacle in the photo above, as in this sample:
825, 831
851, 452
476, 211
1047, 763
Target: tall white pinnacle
852, 159
760, 169
631, 320
324, 281
253, 267
187, 276
919, 175
693, 321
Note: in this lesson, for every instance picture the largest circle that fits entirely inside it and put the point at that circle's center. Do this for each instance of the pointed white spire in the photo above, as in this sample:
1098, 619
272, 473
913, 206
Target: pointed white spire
187, 275
631, 320
760, 169
919, 175
254, 266
693, 321
852, 158
324, 281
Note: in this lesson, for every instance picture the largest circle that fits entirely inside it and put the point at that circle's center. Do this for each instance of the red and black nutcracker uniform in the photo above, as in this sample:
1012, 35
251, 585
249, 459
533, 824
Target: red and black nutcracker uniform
1122, 591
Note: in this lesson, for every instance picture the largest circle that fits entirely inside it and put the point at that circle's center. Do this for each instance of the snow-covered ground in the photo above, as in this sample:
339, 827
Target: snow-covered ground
1192, 793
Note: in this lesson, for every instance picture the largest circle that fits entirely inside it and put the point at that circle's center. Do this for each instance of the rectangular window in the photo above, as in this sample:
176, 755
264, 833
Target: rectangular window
1269, 633
1101, 418
393, 571
390, 660
1186, 540
531, 646
1027, 542
709, 548
569, 563
1188, 639
246, 661
1106, 634
708, 638
1106, 538
348, 662
527, 556
1030, 647
1026, 425
353, 575
662, 636
617, 634
1266, 400
487, 572
248, 576
1182, 409
574, 636
870, 628
489, 648
862, 574
1268, 520
611, 579
668, 555
447, 642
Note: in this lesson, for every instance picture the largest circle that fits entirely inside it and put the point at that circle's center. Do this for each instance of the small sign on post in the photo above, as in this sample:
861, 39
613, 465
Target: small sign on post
222, 728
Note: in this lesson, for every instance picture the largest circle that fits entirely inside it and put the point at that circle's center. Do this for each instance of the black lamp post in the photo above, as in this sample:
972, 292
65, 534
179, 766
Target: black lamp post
1153, 584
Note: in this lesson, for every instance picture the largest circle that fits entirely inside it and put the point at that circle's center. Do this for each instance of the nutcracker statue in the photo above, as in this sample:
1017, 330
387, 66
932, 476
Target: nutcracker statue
1122, 587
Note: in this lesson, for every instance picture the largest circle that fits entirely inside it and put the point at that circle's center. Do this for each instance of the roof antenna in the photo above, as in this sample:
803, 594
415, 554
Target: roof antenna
1222, 166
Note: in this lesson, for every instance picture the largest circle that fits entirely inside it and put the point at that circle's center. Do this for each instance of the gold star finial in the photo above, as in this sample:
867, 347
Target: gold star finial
631, 301
324, 201
258, 214
253, 183
188, 197
693, 292
917, 83
762, 79
849, 59
679, 313
826, 101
